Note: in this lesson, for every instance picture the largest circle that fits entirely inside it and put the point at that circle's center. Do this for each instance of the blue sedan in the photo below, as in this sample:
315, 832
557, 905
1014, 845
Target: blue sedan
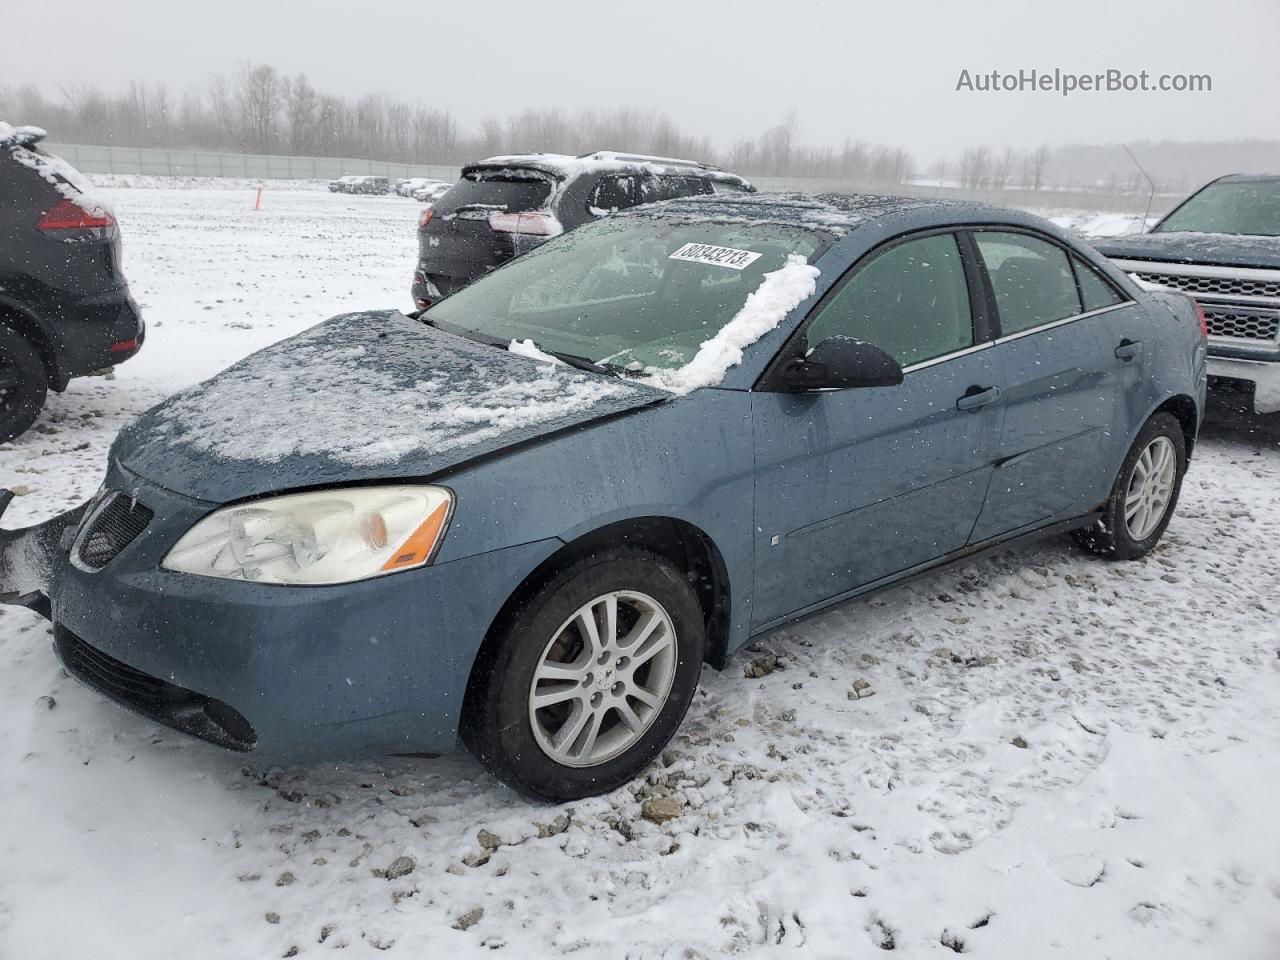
525, 518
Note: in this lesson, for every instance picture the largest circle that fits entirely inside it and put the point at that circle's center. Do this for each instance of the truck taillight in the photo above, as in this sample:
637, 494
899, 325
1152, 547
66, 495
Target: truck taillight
528, 224
425, 217
68, 220
1204, 323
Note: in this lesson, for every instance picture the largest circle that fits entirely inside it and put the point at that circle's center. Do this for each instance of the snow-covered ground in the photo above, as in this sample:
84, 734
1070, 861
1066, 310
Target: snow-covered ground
1033, 755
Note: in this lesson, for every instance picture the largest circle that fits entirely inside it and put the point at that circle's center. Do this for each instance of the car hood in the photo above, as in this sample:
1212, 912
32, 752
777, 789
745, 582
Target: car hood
1219, 249
363, 396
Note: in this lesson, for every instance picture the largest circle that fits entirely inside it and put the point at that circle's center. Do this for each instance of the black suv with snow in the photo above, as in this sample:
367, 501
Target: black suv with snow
505, 206
65, 309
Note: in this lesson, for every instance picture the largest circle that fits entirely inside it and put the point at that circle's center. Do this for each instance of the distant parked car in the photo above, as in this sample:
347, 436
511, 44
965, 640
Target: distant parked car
527, 517
372, 185
411, 185
1222, 246
65, 308
505, 206
432, 192
343, 184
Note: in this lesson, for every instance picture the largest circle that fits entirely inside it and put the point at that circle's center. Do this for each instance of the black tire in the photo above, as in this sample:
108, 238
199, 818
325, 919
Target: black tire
496, 725
1111, 537
23, 384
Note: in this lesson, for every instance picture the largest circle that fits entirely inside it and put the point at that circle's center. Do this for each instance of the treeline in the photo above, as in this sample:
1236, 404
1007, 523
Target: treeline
257, 109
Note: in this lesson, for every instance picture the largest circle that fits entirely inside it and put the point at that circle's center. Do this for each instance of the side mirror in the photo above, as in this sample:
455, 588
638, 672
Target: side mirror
840, 363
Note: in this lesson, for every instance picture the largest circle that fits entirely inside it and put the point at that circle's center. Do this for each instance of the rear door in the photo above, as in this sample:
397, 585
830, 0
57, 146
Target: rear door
1068, 345
853, 486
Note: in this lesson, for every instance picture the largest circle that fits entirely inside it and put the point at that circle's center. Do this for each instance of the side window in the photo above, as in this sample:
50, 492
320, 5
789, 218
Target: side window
1096, 291
912, 301
653, 189
1031, 277
612, 194
727, 186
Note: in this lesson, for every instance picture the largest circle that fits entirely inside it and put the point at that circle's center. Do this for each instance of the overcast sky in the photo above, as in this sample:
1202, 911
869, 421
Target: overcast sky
884, 71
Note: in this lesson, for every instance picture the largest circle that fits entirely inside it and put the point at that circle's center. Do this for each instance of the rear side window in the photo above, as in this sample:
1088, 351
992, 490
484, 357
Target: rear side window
1096, 292
515, 194
613, 193
653, 189
1032, 280
911, 301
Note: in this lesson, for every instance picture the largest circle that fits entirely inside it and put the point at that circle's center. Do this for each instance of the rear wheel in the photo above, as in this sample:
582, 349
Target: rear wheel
23, 384
588, 678
1145, 493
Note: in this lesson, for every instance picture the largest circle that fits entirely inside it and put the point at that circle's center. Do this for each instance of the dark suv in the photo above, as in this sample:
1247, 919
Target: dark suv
505, 206
65, 309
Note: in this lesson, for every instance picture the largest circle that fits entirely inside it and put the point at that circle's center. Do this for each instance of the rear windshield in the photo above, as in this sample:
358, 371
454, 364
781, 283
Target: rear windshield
514, 192
1242, 207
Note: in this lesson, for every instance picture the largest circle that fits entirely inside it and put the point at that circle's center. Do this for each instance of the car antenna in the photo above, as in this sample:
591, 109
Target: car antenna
1152, 195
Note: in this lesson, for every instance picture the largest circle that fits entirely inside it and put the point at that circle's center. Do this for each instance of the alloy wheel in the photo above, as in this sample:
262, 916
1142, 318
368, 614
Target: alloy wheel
603, 678
1150, 488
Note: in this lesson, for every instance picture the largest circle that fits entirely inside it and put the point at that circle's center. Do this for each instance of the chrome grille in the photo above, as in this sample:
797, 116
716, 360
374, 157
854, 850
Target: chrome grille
1246, 326
1223, 286
110, 528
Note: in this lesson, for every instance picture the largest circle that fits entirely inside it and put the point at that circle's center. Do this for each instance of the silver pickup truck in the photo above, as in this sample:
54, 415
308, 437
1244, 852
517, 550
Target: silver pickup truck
1222, 246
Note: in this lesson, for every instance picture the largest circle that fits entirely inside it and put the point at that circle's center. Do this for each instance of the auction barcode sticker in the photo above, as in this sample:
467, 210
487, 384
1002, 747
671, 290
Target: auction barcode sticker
720, 256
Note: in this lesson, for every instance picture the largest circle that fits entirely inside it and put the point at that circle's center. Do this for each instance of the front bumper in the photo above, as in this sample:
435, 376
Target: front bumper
292, 673
1263, 374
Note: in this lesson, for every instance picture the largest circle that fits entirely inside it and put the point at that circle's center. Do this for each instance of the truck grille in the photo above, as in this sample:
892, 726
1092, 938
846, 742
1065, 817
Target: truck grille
1244, 326
110, 529
1222, 286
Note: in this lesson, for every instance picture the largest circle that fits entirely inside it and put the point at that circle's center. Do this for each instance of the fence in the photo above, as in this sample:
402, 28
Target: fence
199, 163
192, 163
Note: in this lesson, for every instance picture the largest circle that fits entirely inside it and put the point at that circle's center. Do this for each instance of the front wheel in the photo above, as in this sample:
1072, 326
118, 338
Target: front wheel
588, 678
1145, 493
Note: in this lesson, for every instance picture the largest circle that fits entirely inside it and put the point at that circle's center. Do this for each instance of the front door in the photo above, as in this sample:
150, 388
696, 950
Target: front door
855, 485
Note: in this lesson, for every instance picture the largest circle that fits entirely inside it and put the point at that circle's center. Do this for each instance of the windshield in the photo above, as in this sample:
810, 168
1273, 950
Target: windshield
1244, 207
516, 191
632, 292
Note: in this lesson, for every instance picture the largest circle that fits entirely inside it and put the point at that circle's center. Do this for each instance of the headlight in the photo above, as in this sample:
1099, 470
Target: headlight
329, 536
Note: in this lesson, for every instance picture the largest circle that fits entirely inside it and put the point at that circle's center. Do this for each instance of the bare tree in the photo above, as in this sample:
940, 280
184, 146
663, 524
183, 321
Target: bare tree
1038, 165
1002, 169
975, 165
258, 91
301, 111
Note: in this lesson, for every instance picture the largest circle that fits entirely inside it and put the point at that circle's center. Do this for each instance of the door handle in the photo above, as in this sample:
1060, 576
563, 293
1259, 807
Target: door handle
1128, 349
975, 398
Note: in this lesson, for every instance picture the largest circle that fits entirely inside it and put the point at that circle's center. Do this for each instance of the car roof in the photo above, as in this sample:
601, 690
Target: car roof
1249, 178
836, 213
565, 167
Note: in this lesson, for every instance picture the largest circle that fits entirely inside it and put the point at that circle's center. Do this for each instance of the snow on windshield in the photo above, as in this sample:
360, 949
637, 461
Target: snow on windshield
780, 292
320, 393
527, 348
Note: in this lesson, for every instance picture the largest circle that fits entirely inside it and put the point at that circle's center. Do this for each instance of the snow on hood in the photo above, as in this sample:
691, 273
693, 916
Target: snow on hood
780, 292
1219, 249
361, 396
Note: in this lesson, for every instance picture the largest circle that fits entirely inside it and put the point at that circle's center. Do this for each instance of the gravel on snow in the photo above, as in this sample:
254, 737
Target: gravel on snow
1037, 754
